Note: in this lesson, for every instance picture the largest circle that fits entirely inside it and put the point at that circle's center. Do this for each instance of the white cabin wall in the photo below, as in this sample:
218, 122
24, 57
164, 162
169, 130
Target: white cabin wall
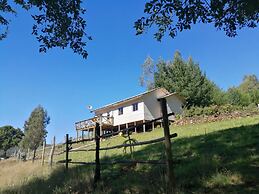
152, 107
128, 115
174, 104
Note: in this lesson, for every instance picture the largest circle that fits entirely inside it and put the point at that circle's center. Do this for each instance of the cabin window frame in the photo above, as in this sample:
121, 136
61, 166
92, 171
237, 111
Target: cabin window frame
135, 107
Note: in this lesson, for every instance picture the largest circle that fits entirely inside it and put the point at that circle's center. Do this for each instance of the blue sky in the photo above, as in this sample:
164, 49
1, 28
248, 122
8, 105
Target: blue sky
65, 84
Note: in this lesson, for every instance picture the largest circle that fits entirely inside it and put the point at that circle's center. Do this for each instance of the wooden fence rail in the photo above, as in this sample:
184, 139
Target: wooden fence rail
170, 178
128, 145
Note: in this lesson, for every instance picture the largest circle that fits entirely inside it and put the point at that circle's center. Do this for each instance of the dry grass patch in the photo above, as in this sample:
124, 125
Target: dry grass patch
14, 173
224, 178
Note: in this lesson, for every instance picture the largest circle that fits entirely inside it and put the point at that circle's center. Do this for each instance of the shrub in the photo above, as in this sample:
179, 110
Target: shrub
217, 110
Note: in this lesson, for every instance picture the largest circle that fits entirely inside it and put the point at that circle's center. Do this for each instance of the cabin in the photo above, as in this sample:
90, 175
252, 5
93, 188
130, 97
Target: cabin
130, 112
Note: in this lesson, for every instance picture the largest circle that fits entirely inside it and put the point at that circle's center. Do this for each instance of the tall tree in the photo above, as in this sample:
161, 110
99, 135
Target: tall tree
173, 16
148, 70
35, 129
186, 78
249, 88
9, 137
58, 23
250, 83
236, 97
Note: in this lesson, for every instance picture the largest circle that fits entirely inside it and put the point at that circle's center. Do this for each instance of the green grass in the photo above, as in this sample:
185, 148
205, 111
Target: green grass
220, 157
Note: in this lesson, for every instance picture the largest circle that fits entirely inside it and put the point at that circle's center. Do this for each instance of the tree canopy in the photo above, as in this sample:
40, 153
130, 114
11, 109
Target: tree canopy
186, 78
246, 93
173, 16
60, 23
9, 137
57, 23
147, 77
35, 129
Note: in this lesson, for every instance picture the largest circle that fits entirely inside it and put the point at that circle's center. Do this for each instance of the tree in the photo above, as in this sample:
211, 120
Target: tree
250, 83
219, 96
147, 77
35, 129
186, 78
9, 137
58, 23
173, 16
249, 88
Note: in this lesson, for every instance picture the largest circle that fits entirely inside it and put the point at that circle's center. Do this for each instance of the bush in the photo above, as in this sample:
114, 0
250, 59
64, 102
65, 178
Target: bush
217, 110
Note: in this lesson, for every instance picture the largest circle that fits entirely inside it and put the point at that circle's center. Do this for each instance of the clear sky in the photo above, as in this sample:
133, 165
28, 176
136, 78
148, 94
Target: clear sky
64, 83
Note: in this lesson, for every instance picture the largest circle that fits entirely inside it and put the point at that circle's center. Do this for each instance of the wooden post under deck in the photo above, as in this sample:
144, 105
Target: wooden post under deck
144, 126
153, 125
135, 123
101, 126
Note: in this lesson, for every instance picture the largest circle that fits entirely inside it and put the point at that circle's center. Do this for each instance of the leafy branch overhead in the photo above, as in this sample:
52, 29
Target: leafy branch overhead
173, 16
57, 23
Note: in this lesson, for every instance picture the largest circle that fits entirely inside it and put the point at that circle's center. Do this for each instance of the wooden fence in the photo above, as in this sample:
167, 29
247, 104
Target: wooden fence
170, 178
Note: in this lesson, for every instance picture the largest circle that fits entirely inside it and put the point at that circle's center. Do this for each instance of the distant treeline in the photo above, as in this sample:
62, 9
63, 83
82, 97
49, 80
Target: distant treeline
186, 78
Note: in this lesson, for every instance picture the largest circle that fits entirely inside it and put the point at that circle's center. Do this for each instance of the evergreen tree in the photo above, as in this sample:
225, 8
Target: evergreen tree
35, 129
9, 137
186, 78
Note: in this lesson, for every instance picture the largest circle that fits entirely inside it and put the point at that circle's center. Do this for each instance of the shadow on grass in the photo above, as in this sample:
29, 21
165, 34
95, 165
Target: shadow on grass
220, 162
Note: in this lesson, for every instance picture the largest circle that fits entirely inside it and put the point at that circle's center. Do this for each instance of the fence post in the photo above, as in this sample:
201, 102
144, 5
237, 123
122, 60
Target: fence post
170, 178
43, 152
67, 150
52, 152
97, 175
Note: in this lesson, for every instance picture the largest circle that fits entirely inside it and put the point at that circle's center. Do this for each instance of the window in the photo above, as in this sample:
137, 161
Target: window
135, 106
120, 111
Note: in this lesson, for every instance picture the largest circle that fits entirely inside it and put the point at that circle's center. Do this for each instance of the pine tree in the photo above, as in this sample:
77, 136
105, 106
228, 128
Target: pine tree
35, 129
186, 78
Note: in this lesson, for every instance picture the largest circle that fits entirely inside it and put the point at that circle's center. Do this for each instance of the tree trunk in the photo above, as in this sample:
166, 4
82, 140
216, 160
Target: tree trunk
43, 152
34, 154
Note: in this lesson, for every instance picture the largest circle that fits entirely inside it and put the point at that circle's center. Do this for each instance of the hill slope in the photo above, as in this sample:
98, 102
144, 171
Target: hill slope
220, 157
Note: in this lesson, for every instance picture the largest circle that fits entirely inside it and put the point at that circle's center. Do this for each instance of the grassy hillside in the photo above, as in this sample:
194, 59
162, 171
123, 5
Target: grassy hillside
220, 157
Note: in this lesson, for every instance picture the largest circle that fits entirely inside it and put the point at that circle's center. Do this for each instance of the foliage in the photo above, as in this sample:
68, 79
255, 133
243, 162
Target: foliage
9, 137
219, 97
148, 70
246, 93
215, 110
186, 78
173, 16
35, 129
58, 23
